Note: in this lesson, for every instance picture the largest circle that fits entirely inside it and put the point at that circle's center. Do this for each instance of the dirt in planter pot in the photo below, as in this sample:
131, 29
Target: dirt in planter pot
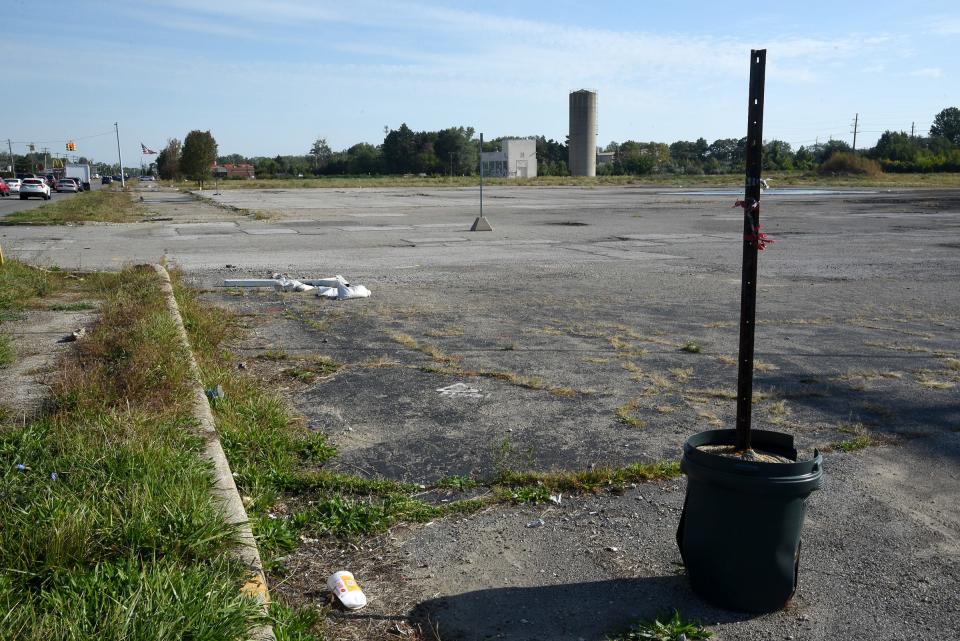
730, 451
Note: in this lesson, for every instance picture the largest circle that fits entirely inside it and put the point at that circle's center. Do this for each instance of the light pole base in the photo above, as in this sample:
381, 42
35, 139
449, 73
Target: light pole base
481, 224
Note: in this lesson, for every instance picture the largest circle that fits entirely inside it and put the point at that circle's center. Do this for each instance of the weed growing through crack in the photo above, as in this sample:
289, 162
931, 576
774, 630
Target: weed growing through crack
853, 444
625, 414
313, 369
778, 412
762, 366
664, 628
445, 332
272, 355
691, 347
459, 483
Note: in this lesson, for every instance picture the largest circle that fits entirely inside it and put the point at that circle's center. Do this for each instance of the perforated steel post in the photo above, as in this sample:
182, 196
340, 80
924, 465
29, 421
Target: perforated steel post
751, 243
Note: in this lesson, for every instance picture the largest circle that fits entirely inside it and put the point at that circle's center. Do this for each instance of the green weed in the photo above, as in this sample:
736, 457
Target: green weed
671, 628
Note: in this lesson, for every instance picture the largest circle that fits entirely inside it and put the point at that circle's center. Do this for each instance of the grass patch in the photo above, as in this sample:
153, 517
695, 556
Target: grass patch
111, 504
762, 366
444, 332
269, 355
81, 306
102, 205
625, 412
311, 370
7, 353
434, 352
668, 628
852, 444
20, 283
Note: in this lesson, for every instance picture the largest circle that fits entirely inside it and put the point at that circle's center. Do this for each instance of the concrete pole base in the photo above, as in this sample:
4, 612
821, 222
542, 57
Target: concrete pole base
481, 224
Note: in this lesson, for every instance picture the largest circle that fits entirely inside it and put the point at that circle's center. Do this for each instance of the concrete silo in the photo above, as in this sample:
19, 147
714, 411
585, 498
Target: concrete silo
583, 133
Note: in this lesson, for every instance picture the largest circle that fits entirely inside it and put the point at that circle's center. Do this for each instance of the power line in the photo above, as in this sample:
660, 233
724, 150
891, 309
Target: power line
54, 142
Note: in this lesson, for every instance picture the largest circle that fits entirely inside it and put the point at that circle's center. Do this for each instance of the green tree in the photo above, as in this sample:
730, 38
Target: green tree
321, 153
168, 160
198, 155
777, 154
896, 145
400, 150
946, 124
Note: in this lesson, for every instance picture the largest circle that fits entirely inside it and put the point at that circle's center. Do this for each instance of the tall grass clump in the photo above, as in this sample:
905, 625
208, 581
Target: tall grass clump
109, 529
845, 163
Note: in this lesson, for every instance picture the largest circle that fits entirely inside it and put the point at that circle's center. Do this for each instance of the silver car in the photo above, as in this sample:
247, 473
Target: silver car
13, 184
67, 184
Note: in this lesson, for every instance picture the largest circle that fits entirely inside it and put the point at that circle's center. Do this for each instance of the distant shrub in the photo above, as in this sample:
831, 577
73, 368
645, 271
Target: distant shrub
842, 162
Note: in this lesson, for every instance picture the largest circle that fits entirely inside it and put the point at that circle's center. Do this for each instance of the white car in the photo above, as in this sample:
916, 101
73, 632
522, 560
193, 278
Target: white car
147, 178
13, 184
34, 187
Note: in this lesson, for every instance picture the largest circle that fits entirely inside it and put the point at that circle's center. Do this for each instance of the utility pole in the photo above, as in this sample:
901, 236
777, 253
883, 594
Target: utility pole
912, 125
123, 181
13, 164
856, 119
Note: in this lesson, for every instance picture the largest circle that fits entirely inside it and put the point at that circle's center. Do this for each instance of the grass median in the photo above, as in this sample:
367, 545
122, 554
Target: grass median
102, 205
109, 527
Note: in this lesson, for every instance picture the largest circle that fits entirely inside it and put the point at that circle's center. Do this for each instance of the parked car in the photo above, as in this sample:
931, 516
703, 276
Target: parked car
13, 184
31, 187
68, 184
146, 178
106, 180
4, 189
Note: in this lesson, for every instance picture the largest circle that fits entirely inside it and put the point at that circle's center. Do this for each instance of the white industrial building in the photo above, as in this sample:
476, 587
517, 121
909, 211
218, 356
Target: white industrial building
517, 158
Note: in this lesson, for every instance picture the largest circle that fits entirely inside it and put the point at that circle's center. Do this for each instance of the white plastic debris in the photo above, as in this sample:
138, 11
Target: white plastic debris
347, 590
536, 523
336, 287
287, 284
342, 290
556, 499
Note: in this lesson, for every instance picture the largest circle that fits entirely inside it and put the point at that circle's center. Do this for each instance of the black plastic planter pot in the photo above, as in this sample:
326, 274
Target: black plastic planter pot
739, 533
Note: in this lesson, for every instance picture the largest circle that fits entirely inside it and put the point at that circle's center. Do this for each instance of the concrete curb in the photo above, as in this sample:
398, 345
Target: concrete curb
224, 489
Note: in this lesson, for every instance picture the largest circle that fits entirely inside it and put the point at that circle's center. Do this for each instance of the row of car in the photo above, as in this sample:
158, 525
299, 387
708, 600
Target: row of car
37, 187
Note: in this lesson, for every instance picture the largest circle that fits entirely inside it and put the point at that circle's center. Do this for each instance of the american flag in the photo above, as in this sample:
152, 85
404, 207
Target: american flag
146, 150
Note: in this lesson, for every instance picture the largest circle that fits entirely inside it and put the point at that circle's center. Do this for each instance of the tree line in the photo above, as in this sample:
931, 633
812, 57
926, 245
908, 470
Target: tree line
454, 151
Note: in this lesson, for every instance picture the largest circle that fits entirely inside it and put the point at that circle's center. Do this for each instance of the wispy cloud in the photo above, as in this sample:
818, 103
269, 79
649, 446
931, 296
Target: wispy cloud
928, 72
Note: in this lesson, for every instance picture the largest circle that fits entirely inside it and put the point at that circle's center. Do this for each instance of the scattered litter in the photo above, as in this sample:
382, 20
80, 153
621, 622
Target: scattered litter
556, 498
216, 392
241, 365
460, 390
21, 467
53, 476
536, 523
347, 590
334, 288
611, 548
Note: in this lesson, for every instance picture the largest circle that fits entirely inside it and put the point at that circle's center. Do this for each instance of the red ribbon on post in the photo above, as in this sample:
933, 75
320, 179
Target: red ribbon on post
758, 238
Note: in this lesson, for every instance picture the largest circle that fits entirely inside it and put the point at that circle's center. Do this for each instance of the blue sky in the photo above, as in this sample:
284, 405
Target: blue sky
270, 77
